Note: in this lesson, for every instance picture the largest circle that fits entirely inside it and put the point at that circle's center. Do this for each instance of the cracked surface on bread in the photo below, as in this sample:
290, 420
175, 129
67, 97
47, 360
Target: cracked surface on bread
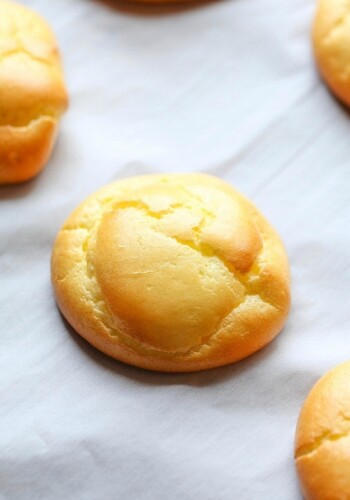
341, 431
32, 92
175, 272
331, 36
322, 443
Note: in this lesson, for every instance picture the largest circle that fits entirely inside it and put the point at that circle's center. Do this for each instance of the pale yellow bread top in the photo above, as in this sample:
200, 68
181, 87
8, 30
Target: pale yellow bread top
322, 442
32, 92
171, 272
331, 37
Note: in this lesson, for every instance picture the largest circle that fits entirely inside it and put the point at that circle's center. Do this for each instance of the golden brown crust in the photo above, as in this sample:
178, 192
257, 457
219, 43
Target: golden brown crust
331, 39
322, 442
32, 92
159, 2
172, 273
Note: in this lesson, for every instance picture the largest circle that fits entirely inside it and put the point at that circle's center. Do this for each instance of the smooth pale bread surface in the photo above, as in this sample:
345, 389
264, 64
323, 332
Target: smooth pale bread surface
172, 273
32, 92
331, 37
322, 443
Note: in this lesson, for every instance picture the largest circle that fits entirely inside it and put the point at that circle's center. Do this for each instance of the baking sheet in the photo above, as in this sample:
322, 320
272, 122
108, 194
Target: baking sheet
228, 88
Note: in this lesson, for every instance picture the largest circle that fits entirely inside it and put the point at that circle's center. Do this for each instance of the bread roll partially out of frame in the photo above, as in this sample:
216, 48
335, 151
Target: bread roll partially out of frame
32, 92
322, 443
331, 39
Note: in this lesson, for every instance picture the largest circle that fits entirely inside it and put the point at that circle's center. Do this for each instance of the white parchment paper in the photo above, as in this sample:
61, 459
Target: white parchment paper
228, 88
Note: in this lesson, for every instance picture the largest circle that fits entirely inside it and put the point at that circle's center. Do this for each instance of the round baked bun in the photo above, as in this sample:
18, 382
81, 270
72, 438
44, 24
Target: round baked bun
322, 444
171, 273
331, 37
32, 92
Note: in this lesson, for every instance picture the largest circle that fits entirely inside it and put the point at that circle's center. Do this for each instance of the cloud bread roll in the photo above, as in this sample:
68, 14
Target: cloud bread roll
172, 273
322, 442
32, 92
331, 37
